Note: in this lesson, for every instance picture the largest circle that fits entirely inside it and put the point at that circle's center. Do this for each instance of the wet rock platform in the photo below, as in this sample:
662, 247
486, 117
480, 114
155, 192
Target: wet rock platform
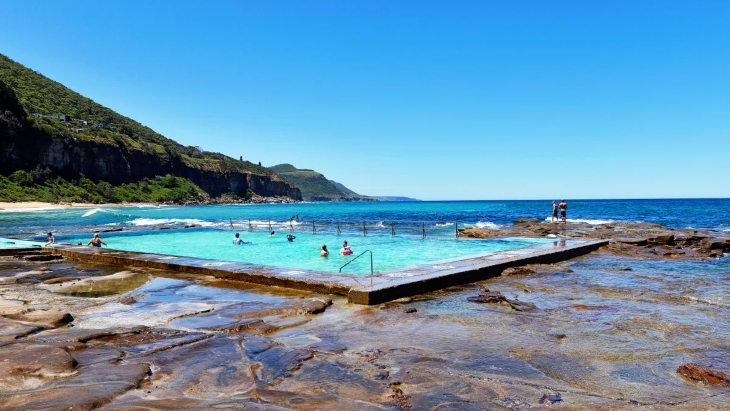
360, 289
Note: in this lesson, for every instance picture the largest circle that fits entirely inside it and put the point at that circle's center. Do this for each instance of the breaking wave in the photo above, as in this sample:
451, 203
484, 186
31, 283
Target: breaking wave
580, 220
487, 224
168, 221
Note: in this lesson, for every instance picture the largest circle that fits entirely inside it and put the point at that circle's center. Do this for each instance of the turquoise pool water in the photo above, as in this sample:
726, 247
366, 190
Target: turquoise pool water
389, 252
12, 243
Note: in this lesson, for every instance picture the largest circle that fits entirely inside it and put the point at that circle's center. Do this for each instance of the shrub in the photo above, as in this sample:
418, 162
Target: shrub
22, 177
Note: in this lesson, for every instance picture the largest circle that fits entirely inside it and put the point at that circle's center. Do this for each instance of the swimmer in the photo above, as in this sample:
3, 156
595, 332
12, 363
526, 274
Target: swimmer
96, 241
51, 239
237, 239
345, 250
272, 234
290, 237
323, 252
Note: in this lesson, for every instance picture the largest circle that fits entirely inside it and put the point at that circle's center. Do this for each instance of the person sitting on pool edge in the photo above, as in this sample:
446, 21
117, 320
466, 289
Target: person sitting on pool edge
323, 252
345, 250
290, 237
96, 241
51, 239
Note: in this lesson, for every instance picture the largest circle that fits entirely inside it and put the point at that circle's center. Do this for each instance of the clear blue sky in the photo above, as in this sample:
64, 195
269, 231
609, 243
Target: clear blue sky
434, 100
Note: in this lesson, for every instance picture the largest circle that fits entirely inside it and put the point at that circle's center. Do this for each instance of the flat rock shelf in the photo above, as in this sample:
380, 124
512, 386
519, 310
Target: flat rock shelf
360, 289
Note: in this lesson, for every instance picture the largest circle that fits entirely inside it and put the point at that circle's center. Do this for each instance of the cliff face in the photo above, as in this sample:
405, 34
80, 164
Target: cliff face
24, 150
23, 147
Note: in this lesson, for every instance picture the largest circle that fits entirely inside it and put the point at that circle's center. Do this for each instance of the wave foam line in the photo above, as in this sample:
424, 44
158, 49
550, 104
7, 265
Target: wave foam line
167, 221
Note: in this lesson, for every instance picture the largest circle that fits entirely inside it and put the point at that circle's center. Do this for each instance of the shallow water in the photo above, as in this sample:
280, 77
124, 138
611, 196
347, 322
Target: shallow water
389, 252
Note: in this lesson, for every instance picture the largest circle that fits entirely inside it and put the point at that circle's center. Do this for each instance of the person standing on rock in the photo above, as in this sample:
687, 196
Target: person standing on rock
554, 218
563, 210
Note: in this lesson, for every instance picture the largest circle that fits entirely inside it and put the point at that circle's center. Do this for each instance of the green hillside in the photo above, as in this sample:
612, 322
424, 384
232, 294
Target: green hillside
315, 186
42, 98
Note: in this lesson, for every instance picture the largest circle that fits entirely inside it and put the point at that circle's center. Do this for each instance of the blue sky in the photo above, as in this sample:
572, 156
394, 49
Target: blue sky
434, 100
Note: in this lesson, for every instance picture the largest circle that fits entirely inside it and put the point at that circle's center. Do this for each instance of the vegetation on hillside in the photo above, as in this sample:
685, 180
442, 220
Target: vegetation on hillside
41, 98
314, 185
40, 185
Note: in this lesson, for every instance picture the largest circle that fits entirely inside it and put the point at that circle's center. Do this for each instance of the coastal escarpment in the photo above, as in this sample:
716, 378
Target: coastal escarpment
69, 158
118, 158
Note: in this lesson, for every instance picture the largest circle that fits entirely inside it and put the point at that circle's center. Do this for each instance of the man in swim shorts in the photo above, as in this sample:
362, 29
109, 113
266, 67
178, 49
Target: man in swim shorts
563, 210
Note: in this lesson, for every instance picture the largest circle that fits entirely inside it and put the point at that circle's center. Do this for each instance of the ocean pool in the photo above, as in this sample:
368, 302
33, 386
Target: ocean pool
389, 252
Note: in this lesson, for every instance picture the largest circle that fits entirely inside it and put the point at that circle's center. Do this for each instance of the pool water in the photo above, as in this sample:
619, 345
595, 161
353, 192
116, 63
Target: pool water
13, 243
389, 252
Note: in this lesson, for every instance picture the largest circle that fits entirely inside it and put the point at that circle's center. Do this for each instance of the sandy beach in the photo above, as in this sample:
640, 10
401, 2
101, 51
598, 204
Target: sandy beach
37, 205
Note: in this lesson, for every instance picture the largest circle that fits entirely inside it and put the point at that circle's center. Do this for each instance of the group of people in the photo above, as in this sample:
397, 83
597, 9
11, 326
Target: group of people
563, 208
345, 250
237, 240
324, 252
95, 241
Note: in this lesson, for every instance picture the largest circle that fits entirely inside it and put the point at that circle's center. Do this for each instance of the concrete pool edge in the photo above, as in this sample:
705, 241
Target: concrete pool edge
380, 288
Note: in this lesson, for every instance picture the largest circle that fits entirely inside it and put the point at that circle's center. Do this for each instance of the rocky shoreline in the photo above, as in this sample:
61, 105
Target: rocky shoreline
631, 239
81, 336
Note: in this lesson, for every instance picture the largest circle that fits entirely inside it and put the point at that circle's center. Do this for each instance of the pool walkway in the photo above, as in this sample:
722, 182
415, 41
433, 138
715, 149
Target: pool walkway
360, 289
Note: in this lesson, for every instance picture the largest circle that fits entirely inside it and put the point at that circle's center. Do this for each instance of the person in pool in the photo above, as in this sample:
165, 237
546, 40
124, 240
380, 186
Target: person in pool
96, 241
51, 239
272, 233
345, 250
237, 240
290, 237
323, 252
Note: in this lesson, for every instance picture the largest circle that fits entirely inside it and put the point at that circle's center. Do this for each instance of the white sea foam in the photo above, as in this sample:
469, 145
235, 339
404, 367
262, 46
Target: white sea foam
579, 220
487, 224
442, 225
92, 212
27, 210
168, 221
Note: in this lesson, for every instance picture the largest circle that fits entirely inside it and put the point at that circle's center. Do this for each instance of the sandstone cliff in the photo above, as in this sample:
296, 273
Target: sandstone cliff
126, 153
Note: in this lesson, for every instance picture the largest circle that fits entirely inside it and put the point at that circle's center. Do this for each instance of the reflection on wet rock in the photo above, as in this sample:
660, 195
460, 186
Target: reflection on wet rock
102, 286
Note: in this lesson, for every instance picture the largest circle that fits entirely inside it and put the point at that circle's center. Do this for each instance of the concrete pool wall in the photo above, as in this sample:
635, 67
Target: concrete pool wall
360, 289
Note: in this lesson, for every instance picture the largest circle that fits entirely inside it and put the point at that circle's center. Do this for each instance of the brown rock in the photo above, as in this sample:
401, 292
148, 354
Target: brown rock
21, 362
11, 330
696, 372
632, 241
47, 319
60, 280
667, 239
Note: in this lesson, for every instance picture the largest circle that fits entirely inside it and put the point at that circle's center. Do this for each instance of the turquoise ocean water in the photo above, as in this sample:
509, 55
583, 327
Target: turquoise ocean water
675, 213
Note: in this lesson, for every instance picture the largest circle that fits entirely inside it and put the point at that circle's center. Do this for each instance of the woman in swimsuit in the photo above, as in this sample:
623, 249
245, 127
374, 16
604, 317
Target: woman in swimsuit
345, 250
555, 212
96, 241
323, 251
51, 239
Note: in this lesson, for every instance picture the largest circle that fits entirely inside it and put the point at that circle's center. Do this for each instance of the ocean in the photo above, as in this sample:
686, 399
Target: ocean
673, 213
